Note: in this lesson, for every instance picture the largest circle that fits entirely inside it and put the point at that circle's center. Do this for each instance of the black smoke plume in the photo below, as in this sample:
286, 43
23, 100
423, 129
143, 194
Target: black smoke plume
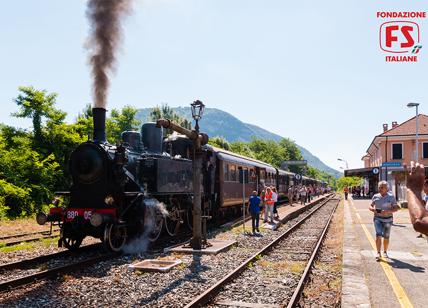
105, 36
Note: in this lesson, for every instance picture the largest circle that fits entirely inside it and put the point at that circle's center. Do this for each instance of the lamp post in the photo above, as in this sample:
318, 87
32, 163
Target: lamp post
199, 139
411, 105
340, 159
196, 241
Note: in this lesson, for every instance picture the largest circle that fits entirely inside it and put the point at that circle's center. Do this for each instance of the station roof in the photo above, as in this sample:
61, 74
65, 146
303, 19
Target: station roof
359, 171
405, 129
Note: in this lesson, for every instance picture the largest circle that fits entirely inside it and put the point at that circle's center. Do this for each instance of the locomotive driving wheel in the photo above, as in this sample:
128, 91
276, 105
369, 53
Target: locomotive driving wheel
155, 226
115, 237
70, 239
173, 221
72, 243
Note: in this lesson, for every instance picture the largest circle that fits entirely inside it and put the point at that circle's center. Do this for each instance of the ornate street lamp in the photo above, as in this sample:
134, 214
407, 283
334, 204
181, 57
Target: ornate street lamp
197, 110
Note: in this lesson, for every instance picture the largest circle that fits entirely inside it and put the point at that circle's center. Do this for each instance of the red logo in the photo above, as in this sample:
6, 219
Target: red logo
398, 36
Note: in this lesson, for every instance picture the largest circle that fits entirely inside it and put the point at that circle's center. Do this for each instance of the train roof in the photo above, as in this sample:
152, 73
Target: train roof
236, 158
282, 172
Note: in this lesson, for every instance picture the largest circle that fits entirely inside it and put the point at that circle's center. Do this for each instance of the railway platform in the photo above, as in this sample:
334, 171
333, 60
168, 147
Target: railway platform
401, 280
285, 212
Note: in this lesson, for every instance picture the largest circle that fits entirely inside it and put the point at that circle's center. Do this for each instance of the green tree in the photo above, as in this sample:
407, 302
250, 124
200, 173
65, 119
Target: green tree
242, 148
348, 181
219, 142
36, 105
121, 121
292, 153
84, 123
166, 112
25, 173
268, 151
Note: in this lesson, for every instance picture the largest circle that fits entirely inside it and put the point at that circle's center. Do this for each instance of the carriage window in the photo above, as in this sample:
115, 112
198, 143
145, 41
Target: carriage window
252, 176
262, 174
226, 172
232, 173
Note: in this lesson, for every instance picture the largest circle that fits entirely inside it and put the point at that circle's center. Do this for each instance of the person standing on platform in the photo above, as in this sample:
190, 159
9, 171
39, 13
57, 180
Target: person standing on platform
268, 205
263, 202
275, 202
254, 209
383, 206
290, 195
302, 193
417, 211
346, 191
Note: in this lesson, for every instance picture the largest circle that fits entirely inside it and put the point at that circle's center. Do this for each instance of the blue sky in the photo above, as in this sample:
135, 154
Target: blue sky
308, 70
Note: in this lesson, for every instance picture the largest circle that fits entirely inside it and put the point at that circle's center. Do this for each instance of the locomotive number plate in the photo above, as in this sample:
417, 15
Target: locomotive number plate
72, 214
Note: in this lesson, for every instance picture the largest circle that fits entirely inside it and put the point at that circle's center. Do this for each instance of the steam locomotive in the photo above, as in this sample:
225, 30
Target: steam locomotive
117, 190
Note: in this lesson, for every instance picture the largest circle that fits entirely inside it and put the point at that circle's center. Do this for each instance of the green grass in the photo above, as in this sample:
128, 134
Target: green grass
46, 242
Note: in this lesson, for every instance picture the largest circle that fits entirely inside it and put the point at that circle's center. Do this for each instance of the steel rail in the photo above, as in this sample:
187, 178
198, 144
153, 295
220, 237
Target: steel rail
8, 285
26, 234
298, 290
34, 239
209, 294
45, 258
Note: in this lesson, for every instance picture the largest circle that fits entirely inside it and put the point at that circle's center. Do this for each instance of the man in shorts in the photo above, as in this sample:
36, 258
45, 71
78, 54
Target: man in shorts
383, 206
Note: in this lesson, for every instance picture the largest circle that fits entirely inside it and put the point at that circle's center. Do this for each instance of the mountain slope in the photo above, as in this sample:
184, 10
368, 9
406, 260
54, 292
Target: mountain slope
219, 123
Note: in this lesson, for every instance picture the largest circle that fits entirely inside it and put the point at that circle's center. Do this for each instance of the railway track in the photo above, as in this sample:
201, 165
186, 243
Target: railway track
46, 232
11, 240
19, 273
305, 234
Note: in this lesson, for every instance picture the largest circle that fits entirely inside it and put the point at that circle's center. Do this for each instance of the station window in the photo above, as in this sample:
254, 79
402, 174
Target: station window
425, 149
397, 151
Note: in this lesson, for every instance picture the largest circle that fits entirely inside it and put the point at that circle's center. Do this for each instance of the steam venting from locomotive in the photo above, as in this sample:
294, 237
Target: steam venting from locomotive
105, 37
140, 244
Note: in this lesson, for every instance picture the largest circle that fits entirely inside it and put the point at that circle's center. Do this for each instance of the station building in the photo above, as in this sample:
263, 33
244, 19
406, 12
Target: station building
390, 151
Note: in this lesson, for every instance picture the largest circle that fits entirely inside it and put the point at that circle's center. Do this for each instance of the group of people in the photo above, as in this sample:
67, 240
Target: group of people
356, 191
265, 204
304, 193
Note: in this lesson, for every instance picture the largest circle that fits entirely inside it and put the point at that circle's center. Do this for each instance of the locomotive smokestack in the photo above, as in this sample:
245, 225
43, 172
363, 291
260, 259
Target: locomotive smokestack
105, 36
99, 117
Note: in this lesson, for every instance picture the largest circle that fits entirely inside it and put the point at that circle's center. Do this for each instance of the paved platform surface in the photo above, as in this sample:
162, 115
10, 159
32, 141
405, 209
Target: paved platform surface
285, 211
401, 281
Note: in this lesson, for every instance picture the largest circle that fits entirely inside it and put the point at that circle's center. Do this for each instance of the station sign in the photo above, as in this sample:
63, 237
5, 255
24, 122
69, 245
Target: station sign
391, 164
286, 163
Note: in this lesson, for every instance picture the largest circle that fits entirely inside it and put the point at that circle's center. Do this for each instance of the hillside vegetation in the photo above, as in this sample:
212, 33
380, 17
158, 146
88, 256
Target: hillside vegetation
34, 162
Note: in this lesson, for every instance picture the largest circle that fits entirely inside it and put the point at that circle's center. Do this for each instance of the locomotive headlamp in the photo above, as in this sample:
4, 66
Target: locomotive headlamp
109, 200
197, 109
41, 218
96, 219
